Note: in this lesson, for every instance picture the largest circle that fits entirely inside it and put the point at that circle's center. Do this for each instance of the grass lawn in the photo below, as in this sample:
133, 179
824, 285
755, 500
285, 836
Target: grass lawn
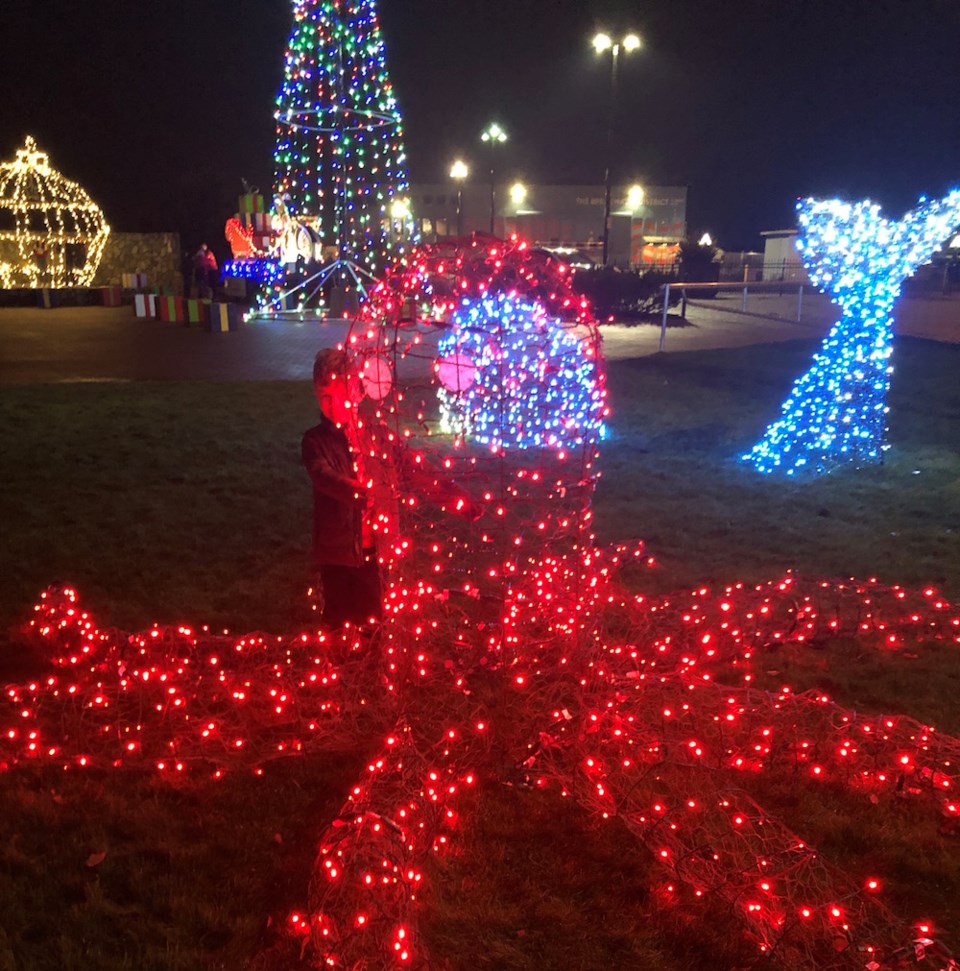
187, 503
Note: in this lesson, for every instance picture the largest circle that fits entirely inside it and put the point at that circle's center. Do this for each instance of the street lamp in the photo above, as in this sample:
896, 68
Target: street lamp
400, 212
601, 44
459, 172
493, 135
635, 197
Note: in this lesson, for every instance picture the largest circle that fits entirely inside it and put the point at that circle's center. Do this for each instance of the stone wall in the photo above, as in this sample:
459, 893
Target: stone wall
156, 254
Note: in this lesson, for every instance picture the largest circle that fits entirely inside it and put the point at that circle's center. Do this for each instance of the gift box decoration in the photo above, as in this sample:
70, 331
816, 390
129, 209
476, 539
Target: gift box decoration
134, 281
47, 298
111, 296
224, 317
145, 305
252, 202
259, 222
171, 309
197, 311
236, 286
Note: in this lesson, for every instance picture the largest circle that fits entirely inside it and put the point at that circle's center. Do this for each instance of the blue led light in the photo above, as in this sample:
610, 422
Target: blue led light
836, 412
261, 270
534, 382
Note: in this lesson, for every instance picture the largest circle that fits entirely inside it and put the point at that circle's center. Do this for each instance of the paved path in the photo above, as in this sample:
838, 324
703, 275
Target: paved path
74, 344
79, 344
769, 319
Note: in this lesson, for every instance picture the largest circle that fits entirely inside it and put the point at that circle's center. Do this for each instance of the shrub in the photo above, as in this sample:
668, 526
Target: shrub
626, 295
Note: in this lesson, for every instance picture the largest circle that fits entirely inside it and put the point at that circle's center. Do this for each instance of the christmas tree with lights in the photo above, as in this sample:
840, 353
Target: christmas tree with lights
340, 170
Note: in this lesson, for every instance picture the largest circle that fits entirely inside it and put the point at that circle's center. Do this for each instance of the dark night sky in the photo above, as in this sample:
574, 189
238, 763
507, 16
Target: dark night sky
159, 109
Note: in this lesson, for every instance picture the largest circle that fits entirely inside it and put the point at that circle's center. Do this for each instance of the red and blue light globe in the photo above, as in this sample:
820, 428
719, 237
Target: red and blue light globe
513, 377
485, 342
481, 359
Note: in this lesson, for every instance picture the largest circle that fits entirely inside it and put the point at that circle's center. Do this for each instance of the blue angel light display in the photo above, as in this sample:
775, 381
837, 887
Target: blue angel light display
836, 412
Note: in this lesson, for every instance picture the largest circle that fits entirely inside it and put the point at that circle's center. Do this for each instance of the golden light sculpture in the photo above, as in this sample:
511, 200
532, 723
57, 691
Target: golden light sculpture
52, 234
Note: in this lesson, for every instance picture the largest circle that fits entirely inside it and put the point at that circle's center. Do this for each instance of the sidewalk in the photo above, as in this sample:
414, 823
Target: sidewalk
712, 324
89, 344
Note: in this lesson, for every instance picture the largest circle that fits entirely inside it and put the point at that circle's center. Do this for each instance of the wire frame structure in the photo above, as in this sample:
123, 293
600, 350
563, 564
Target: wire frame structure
669, 757
52, 234
466, 361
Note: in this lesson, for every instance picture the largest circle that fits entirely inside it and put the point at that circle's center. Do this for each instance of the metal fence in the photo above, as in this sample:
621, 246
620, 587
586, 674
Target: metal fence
688, 290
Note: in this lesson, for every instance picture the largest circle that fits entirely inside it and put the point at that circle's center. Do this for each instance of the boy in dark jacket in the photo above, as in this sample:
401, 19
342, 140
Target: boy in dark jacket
348, 571
356, 468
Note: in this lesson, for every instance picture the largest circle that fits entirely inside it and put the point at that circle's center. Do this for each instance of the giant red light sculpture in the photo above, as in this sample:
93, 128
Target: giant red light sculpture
512, 633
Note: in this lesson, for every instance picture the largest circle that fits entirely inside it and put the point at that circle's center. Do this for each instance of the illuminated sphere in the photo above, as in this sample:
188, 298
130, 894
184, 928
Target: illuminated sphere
531, 381
52, 234
441, 321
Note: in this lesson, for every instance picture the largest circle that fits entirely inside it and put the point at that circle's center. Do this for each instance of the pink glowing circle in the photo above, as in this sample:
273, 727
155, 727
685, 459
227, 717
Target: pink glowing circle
456, 372
376, 377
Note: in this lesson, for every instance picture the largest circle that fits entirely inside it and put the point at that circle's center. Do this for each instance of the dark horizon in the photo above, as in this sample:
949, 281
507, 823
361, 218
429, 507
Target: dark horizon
159, 113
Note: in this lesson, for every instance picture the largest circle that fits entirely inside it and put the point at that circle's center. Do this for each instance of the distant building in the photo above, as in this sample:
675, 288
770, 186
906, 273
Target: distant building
781, 261
741, 266
646, 227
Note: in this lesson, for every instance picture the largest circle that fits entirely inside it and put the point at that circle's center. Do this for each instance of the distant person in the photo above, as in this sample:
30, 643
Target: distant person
189, 273
41, 257
205, 271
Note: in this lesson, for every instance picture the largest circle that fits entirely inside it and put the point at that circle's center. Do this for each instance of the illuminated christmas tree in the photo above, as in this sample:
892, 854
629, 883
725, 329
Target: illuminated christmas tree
836, 412
339, 161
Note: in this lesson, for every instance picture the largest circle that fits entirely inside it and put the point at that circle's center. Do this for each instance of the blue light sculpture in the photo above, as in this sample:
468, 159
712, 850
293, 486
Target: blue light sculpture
513, 377
836, 412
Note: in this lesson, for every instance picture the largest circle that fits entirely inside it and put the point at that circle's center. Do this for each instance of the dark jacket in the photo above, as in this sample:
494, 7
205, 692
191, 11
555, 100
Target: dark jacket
337, 512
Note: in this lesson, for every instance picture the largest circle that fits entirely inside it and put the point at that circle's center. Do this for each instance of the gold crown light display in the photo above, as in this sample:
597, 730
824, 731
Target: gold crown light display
52, 234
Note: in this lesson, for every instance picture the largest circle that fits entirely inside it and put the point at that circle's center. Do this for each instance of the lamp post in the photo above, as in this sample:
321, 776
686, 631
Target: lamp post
400, 213
493, 135
601, 44
459, 172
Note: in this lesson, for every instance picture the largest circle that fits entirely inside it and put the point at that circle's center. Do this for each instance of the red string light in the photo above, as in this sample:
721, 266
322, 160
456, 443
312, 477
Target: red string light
506, 630
646, 735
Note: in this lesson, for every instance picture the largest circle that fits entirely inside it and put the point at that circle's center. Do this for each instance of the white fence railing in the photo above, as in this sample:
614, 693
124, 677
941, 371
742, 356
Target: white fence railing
771, 286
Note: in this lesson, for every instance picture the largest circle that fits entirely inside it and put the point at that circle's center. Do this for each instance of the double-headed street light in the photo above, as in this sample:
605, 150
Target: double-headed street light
493, 135
400, 212
459, 172
601, 44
